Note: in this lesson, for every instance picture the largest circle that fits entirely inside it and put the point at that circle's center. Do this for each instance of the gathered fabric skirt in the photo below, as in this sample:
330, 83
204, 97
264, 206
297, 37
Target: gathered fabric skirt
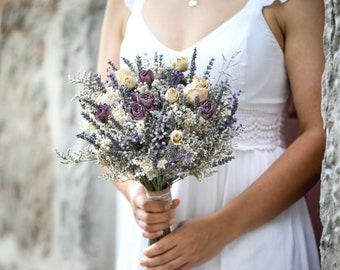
286, 242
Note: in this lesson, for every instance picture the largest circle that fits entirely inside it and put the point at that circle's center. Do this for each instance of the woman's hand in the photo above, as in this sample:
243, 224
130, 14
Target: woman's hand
152, 216
192, 243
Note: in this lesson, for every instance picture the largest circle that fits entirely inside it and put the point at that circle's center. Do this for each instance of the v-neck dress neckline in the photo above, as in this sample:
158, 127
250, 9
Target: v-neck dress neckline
207, 38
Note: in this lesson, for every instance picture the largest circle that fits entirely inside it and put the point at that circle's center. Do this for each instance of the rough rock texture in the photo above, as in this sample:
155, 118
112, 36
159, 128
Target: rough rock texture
330, 178
52, 216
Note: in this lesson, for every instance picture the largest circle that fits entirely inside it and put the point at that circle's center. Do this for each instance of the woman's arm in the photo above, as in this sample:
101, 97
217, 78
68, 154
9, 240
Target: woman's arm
289, 178
151, 216
112, 33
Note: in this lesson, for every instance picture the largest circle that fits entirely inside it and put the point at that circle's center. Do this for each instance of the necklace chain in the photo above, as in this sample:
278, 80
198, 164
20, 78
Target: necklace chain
193, 3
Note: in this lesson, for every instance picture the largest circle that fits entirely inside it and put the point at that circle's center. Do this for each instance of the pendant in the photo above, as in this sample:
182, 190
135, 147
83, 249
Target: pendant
193, 3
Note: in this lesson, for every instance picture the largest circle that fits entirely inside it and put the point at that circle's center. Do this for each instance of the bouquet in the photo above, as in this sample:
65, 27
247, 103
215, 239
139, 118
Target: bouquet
156, 123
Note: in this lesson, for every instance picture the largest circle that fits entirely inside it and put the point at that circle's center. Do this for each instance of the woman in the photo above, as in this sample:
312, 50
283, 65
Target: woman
251, 214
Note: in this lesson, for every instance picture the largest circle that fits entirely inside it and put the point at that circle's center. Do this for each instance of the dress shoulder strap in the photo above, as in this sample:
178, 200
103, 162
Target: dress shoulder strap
129, 4
133, 4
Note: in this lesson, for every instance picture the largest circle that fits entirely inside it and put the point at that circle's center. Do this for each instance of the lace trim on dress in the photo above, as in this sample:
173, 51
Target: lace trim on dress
261, 131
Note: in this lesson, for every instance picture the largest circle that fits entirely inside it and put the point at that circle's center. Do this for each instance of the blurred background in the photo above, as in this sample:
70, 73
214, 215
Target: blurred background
54, 216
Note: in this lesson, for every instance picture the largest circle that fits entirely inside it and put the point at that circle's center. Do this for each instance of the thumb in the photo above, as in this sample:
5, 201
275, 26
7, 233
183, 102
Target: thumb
175, 203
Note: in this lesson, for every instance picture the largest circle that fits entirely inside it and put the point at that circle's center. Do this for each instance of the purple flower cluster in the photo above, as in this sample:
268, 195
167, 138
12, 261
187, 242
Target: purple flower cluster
146, 76
103, 112
141, 104
137, 111
208, 108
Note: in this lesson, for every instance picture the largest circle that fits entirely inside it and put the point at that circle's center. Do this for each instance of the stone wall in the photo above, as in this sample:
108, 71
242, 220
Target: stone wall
330, 178
52, 216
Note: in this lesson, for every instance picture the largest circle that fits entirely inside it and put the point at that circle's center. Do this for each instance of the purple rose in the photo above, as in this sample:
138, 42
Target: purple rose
208, 108
146, 76
146, 99
137, 111
102, 113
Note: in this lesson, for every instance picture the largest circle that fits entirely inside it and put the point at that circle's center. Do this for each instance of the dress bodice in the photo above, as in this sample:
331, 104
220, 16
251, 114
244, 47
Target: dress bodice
258, 67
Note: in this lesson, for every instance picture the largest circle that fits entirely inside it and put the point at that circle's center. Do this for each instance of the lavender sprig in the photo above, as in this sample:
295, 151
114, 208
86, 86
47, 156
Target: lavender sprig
139, 63
192, 70
89, 138
129, 65
206, 73
100, 85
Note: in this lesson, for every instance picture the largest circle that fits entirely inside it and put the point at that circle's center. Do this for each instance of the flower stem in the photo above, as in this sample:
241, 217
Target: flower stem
165, 233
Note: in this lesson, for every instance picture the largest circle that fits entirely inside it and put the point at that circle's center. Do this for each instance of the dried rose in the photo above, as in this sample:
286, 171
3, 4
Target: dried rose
171, 95
102, 113
137, 111
180, 63
125, 77
198, 87
146, 99
146, 76
208, 108
176, 137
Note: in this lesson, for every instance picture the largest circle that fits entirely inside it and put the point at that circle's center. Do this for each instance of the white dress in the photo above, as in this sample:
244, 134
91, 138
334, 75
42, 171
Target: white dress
287, 241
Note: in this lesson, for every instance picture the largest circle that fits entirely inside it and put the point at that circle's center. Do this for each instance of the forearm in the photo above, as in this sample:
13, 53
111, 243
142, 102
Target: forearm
285, 182
128, 188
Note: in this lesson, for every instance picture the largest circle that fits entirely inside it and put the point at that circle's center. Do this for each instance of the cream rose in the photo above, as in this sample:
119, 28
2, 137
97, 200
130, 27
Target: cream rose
176, 137
198, 87
180, 63
125, 77
172, 95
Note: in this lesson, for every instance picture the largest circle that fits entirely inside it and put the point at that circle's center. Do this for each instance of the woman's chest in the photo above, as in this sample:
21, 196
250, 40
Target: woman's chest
178, 26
